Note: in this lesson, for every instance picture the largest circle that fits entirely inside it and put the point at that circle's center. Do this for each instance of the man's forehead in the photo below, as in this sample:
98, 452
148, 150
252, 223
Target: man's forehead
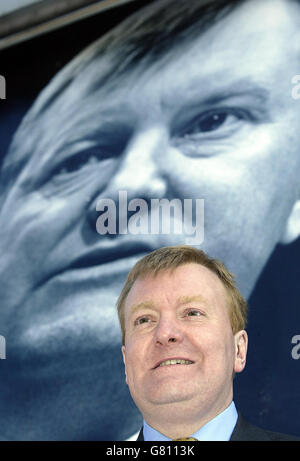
222, 50
240, 33
208, 61
232, 51
152, 304
182, 284
216, 65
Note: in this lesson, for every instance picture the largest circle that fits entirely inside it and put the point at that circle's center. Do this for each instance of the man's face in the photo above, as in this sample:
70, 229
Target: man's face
214, 119
181, 315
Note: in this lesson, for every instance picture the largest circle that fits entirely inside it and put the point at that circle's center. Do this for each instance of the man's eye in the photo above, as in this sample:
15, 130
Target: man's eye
214, 121
112, 143
194, 313
210, 122
141, 320
80, 160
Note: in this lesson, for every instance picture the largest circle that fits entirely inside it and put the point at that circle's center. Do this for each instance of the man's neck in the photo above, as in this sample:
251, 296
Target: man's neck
219, 428
174, 424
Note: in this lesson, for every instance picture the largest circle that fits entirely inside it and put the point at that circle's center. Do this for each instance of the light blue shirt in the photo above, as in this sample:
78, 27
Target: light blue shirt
219, 428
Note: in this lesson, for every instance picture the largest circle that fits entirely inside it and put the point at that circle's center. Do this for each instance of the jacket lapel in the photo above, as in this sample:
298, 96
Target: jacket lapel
140, 436
245, 431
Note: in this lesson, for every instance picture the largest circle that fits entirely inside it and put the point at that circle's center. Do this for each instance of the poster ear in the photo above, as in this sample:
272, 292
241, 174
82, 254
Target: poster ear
292, 228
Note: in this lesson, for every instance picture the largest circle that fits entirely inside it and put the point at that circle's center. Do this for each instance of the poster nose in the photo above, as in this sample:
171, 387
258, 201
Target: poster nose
139, 173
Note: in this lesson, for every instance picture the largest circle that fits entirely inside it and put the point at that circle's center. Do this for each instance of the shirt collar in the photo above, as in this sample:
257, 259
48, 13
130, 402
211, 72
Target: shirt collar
219, 428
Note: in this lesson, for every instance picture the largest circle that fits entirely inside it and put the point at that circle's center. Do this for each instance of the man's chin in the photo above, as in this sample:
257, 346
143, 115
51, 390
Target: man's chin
170, 395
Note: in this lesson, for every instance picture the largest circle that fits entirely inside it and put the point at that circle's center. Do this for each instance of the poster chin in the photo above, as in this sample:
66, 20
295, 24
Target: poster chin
128, 126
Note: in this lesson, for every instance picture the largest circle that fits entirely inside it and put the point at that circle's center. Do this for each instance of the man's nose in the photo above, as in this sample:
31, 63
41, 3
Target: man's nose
139, 172
167, 332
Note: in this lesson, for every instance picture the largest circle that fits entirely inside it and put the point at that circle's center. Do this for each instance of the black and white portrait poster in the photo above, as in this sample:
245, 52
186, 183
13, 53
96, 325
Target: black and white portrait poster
133, 126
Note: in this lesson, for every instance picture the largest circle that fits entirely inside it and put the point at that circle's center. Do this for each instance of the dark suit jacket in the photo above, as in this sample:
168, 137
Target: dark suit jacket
245, 431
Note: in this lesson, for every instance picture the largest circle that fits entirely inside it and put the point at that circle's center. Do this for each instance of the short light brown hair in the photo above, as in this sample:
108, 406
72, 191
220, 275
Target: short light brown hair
168, 259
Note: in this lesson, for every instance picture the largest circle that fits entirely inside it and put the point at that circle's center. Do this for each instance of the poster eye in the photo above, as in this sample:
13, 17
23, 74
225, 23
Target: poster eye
210, 122
81, 160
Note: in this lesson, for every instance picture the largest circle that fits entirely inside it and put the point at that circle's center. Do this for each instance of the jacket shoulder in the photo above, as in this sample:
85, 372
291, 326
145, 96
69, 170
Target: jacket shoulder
245, 431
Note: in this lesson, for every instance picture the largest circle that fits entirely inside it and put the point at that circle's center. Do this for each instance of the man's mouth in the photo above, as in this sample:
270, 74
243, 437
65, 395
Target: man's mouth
118, 252
174, 362
104, 255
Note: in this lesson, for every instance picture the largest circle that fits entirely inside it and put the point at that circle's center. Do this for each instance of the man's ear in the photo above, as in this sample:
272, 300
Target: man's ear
292, 228
241, 345
124, 360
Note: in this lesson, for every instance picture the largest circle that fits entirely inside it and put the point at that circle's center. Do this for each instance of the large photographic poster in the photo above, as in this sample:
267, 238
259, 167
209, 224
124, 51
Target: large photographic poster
147, 125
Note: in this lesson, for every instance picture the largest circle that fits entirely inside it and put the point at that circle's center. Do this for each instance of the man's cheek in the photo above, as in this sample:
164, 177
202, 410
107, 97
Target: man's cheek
32, 227
47, 214
36, 216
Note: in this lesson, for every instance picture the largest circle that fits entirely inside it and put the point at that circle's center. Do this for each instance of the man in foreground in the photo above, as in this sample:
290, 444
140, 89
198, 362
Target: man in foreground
183, 321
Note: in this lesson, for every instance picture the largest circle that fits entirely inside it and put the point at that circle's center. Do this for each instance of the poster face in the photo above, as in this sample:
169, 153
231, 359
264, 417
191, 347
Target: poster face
175, 123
